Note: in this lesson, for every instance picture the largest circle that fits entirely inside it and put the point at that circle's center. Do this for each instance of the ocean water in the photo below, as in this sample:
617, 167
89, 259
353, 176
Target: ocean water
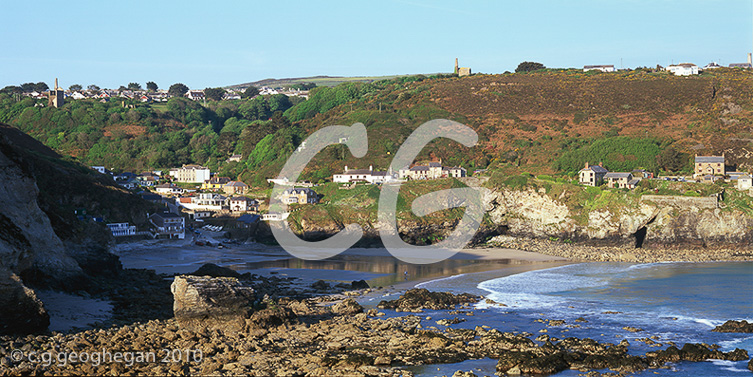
678, 302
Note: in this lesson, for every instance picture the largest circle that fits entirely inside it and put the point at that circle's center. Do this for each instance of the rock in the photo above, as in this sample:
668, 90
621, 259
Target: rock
382, 360
447, 322
420, 298
750, 365
359, 284
632, 329
21, 312
272, 316
735, 326
461, 373
213, 270
212, 303
347, 307
321, 285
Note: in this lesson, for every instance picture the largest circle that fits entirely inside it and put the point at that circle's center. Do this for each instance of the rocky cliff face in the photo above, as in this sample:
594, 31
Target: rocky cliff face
26, 241
41, 241
533, 213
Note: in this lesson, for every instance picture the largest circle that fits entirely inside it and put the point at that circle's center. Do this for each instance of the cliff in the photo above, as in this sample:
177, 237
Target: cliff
647, 220
42, 243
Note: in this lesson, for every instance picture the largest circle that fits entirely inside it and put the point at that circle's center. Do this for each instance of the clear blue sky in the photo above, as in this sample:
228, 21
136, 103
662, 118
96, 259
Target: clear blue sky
218, 43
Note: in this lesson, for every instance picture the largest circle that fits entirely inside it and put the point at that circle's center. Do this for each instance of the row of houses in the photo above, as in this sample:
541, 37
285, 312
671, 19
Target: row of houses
596, 175
706, 169
432, 170
681, 69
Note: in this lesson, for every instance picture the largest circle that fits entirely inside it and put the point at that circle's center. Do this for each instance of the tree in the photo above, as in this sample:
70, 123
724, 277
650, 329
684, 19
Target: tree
177, 90
11, 89
214, 94
75, 88
32, 87
529, 67
250, 92
93, 88
134, 86
671, 160
122, 88
151, 86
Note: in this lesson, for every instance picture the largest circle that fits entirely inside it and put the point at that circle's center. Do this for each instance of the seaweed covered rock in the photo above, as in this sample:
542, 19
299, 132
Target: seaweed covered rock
735, 326
420, 298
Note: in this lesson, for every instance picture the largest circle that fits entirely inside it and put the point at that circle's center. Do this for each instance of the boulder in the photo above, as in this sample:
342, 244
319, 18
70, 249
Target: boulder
420, 298
21, 312
202, 302
321, 285
347, 307
359, 284
213, 270
735, 326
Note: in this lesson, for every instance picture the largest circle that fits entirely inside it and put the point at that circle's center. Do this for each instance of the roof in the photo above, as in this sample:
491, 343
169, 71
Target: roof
598, 66
166, 215
221, 180
634, 182
358, 172
595, 169
617, 175
709, 159
435, 165
236, 184
241, 199
419, 168
249, 219
298, 190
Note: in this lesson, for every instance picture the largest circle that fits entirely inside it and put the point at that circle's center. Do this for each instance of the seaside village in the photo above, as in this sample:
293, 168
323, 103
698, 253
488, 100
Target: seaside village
192, 194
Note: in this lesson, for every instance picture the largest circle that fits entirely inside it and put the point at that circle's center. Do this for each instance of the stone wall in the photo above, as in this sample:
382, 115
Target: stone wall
708, 202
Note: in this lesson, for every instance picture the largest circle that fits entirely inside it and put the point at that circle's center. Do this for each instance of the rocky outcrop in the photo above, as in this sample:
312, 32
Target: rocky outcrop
418, 299
533, 213
27, 241
21, 311
202, 302
735, 326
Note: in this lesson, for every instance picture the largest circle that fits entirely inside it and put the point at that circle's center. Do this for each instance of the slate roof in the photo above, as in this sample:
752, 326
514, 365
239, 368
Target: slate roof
595, 169
617, 175
709, 159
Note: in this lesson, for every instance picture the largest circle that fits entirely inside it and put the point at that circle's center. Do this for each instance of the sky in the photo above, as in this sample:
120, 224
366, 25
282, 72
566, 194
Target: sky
220, 43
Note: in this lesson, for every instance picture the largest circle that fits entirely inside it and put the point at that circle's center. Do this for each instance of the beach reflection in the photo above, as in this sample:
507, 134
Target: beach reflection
389, 269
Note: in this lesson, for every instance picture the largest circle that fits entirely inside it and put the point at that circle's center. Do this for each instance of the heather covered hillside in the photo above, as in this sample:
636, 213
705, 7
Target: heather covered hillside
543, 122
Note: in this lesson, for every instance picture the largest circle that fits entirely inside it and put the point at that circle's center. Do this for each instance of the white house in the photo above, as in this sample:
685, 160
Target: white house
243, 204
744, 183
683, 69
168, 224
122, 229
168, 189
592, 175
363, 175
603, 68
206, 201
196, 95
191, 174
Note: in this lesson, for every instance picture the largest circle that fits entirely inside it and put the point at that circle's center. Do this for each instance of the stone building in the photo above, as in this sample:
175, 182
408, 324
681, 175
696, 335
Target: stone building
56, 96
709, 165
592, 175
190, 174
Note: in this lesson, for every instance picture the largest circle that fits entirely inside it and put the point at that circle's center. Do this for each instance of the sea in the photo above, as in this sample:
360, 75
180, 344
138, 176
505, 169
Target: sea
673, 302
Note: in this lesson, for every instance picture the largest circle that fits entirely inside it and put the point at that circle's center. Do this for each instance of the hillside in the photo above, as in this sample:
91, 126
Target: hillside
318, 80
544, 122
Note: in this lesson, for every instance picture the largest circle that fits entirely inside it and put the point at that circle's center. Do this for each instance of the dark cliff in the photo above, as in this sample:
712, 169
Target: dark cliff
42, 242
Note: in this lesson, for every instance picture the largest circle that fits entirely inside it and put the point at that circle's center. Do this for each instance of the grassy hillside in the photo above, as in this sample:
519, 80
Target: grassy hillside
545, 122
